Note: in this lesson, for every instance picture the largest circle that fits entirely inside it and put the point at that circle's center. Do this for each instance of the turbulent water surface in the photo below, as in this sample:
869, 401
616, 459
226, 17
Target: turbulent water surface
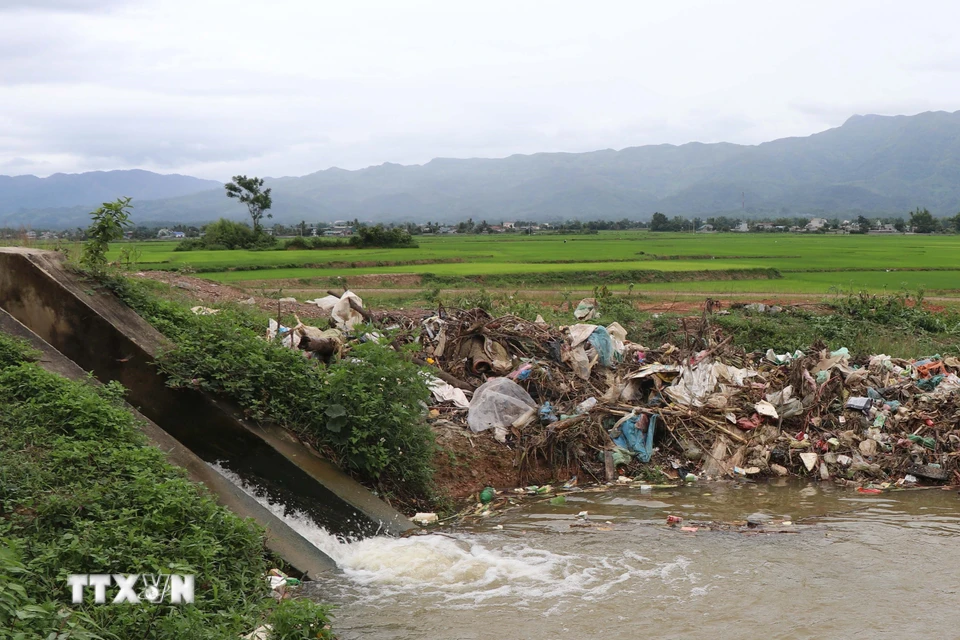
855, 566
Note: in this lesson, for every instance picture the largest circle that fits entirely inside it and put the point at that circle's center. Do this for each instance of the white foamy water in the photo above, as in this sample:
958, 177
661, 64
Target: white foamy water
460, 570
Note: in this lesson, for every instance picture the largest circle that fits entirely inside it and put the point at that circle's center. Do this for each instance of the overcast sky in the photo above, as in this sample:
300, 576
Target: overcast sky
287, 87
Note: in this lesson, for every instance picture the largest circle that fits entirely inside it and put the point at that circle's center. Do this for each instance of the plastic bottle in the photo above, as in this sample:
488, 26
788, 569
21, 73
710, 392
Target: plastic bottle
587, 405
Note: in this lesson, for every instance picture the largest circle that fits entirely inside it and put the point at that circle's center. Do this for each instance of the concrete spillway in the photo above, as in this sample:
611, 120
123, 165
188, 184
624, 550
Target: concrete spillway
83, 328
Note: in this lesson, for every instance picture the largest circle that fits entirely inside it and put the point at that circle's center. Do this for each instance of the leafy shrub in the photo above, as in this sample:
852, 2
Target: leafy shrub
374, 417
108, 224
380, 437
900, 309
317, 242
300, 619
227, 234
21, 614
478, 299
615, 308
15, 351
515, 305
380, 236
297, 243
232, 235
320, 242
195, 244
432, 295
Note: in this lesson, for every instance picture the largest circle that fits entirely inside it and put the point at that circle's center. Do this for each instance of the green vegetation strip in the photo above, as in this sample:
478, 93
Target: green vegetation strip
356, 264
82, 492
595, 278
727, 251
894, 324
809, 264
365, 412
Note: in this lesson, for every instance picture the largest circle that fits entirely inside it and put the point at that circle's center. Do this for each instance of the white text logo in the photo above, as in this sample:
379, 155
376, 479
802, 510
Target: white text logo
153, 588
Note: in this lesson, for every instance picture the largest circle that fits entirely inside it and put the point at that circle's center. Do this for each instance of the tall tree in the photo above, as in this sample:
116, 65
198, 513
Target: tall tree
922, 221
250, 192
659, 222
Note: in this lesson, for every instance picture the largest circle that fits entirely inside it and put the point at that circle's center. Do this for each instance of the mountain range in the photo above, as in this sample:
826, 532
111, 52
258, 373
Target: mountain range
871, 164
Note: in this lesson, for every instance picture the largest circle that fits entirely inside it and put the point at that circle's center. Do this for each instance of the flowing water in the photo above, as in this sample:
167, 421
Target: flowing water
853, 565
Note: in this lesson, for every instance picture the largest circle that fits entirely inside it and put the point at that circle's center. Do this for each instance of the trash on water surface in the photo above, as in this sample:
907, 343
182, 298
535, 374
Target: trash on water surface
425, 518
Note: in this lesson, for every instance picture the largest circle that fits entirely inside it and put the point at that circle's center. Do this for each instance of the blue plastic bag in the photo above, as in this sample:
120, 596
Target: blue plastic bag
636, 440
603, 343
547, 414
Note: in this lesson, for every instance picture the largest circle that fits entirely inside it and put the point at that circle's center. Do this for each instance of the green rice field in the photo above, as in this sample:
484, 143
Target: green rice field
808, 264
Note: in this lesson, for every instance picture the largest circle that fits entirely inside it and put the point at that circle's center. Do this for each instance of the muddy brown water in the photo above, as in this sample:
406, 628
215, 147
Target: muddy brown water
854, 566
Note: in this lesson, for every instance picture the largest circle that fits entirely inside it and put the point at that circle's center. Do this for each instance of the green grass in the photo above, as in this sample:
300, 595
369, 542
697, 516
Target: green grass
81, 491
809, 263
942, 282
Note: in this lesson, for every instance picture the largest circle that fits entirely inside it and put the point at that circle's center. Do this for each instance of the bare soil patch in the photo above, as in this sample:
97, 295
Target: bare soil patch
212, 294
466, 462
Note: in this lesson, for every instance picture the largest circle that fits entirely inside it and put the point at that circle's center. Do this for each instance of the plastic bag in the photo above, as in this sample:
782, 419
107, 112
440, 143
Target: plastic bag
326, 303
547, 414
445, 392
617, 332
499, 402
346, 316
603, 344
636, 434
579, 362
586, 310
286, 333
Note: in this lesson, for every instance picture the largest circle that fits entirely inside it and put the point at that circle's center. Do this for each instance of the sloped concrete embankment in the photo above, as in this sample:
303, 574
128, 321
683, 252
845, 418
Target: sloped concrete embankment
101, 335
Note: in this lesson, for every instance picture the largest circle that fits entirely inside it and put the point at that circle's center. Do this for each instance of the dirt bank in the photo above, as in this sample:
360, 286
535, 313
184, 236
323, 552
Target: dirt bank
211, 294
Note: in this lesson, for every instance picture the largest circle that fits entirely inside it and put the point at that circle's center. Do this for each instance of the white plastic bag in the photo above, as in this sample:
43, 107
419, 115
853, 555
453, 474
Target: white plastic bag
326, 303
345, 315
498, 402
445, 392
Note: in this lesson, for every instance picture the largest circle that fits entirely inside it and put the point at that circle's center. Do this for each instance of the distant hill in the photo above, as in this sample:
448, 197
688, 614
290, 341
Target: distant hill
870, 164
24, 199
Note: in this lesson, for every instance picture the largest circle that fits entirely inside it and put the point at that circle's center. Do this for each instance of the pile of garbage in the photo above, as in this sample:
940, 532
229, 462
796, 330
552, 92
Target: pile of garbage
585, 399
346, 312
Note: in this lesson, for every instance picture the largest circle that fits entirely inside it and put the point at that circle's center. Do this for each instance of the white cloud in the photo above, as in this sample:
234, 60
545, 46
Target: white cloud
213, 87
82, 6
